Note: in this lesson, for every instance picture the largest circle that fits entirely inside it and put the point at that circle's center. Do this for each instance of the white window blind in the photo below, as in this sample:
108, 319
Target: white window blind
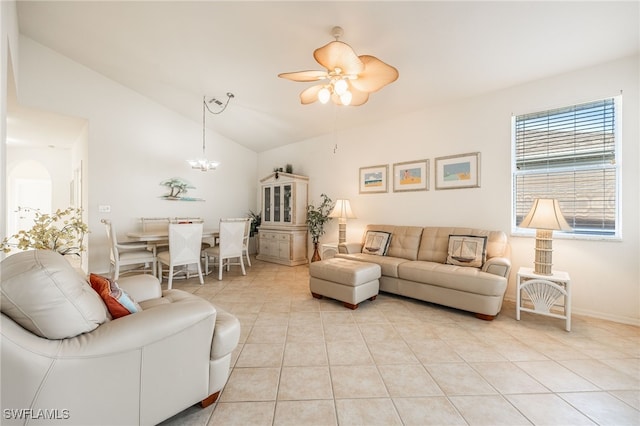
570, 154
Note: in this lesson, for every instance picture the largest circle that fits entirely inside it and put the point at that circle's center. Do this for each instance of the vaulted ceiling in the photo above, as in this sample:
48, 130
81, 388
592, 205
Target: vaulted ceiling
175, 52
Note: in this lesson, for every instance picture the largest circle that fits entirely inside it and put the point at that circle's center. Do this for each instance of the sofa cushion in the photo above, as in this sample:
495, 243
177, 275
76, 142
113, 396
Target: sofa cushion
435, 242
470, 280
376, 242
118, 302
43, 293
467, 250
405, 240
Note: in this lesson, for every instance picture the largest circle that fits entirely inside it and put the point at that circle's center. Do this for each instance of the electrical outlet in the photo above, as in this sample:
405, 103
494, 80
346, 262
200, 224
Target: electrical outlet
104, 209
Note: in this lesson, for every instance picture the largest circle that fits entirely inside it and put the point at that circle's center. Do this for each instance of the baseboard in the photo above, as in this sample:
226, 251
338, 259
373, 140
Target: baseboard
597, 315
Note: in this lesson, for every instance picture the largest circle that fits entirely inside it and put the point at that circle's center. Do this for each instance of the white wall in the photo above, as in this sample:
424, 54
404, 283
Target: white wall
134, 144
605, 275
8, 70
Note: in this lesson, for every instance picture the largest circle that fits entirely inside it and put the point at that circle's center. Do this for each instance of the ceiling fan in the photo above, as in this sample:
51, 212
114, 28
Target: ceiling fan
349, 77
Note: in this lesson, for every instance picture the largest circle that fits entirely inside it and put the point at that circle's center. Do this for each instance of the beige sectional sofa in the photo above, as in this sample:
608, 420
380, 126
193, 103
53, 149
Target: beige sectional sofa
415, 265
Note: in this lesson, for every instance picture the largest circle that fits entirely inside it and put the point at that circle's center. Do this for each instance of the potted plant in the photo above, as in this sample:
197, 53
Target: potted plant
62, 232
316, 218
256, 219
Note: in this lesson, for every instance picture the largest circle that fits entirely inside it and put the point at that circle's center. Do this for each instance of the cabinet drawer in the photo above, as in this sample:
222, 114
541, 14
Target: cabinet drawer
275, 236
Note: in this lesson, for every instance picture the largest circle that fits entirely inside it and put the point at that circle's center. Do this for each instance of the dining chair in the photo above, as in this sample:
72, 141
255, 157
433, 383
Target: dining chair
126, 254
155, 223
245, 240
185, 241
187, 219
150, 224
232, 233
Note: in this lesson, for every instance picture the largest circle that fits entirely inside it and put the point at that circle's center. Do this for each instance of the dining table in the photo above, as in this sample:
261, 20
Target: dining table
163, 235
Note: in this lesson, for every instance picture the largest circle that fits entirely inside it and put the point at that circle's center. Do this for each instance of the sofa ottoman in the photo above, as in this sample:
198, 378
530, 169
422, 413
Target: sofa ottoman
348, 281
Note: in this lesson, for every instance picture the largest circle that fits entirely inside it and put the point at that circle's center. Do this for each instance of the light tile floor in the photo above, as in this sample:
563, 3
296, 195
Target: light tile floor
394, 361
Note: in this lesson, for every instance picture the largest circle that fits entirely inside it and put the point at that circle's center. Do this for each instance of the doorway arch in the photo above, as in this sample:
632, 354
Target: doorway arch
29, 189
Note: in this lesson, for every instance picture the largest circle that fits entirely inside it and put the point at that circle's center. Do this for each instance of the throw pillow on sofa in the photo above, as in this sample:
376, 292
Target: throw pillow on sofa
467, 250
376, 242
118, 302
43, 293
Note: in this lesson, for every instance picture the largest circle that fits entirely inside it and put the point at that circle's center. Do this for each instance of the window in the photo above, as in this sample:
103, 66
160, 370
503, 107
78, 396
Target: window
570, 154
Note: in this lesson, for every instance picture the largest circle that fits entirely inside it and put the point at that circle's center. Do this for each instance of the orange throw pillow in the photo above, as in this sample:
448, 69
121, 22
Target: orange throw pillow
118, 302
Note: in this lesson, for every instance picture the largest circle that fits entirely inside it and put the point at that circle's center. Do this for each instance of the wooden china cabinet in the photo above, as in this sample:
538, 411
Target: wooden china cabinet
283, 231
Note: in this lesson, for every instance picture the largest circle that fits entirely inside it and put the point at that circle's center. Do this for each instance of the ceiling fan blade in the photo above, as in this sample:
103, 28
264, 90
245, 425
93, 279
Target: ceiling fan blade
375, 76
339, 55
310, 95
304, 75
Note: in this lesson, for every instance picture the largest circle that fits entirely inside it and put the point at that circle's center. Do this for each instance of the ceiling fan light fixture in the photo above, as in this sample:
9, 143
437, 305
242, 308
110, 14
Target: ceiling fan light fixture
351, 78
340, 86
324, 95
345, 98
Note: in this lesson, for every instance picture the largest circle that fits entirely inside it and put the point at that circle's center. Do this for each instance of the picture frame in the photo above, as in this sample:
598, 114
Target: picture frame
458, 171
411, 176
373, 179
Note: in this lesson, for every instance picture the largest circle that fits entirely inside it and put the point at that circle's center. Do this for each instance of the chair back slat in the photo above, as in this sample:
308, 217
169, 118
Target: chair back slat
232, 233
113, 241
150, 224
187, 220
185, 241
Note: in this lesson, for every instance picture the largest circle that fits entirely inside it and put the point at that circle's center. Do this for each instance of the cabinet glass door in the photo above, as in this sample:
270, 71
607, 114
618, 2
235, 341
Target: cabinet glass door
287, 203
276, 203
267, 204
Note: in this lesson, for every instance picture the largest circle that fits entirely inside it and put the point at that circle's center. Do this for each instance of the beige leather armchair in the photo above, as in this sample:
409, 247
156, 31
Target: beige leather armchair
139, 369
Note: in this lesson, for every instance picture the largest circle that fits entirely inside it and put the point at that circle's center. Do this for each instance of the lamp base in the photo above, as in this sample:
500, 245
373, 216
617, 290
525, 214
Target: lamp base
544, 251
342, 231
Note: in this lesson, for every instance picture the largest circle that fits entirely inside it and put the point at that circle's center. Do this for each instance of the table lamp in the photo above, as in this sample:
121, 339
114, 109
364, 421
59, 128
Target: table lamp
545, 217
342, 210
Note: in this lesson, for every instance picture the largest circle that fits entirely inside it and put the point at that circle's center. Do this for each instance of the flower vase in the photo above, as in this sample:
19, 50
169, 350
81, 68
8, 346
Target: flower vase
316, 253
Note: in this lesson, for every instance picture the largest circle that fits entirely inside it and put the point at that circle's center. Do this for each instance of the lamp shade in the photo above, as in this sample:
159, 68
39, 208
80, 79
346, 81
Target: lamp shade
545, 214
342, 210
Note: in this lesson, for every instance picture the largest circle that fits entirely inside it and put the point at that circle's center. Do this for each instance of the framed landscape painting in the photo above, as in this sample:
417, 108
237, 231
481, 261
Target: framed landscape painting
458, 171
411, 176
373, 179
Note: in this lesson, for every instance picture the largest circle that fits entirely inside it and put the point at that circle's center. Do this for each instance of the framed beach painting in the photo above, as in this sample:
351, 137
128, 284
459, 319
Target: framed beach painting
458, 171
373, 179
411, 176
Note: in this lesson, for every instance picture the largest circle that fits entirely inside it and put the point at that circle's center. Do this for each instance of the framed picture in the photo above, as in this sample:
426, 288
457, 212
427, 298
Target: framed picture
411, 176
458, 171
373, 179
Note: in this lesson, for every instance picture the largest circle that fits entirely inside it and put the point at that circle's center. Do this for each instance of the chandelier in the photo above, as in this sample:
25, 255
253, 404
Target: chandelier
202, 163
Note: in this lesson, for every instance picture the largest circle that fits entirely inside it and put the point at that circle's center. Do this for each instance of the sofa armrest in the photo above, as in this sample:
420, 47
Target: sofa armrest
141, 287
497, 266
226, 334
350, 248
142, 329
129, 333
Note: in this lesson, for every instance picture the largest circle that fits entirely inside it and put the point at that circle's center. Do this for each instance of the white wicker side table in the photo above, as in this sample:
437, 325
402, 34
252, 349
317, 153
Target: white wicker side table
544, 292
328, 250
